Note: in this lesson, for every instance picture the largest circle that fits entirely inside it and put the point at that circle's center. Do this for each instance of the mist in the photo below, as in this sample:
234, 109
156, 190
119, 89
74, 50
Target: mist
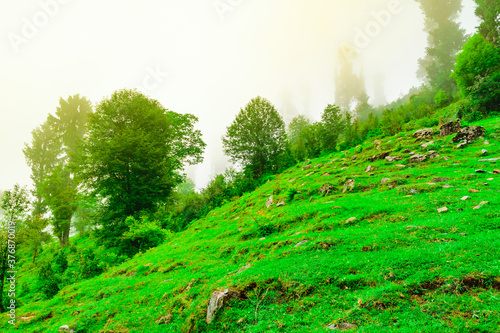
207, 58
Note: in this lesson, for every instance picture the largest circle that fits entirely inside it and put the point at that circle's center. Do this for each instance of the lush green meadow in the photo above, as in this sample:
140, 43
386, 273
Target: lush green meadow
379, 256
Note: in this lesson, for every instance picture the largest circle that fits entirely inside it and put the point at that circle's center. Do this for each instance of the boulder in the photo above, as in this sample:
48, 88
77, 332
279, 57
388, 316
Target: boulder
418, 158
424, 133
270, 202
393, 158
379, 156
369, 168
469, 134
450, 128
219, 298
349, 185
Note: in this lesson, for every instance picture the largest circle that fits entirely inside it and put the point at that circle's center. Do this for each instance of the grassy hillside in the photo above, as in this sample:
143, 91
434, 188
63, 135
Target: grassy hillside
379, 256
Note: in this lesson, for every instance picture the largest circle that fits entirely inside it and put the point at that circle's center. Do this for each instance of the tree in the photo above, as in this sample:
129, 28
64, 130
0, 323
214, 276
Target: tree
349, 85
297, 132
332, 126
445, 38
134, 155
257, 138
489, 13
14, 204
54, 157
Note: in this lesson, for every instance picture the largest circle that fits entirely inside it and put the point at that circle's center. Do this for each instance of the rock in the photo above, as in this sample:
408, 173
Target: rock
349, 185
412, 153
473, 191
326, 188
307, 167
393, 158
415, 227
270, 201
413, 191
483, 203
244, 268
424, 133
326, 174
433, 155
406, 151
280, 204
218, 299
400, 166
379, 156
469, 134
164, 320
425, 145
442, 210
450, 128
465, 198
496, 172
301, 243
490, 160
66, 328
447, 186
418, 158
461, 145
486, 142
481, 171
385, 180
318, 166
440, 179
351, 219
484, 152
342, 327
369, 168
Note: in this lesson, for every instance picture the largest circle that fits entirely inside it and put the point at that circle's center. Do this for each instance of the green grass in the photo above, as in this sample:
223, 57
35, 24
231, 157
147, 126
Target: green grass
399, 267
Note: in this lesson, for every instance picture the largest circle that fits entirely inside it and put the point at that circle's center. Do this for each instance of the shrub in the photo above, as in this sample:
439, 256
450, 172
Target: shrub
142, 235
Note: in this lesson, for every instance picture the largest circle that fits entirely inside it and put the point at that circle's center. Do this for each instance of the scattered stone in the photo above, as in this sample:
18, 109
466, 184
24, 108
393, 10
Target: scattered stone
263, 238
446, 158
433, 155
447, 186
469, 134
326, 174
414, 227
244, 268
307, 167
490, 160
64, 328
369, 168
413, 191
450, 128
490, 179
442, 210
400, 166
486, 142
301, 243
379, 156
496, 172
461, 145
351, 219
418, 158
483, 203
164, 320
318, 166
424, 133
326, 188
311, 200
349, 185
218, 299
342, 327
270, 202
280, 204
292, 180
484, 152
385, 180
310, 174
481, 171
440, 179
371, 174
473, 191
393, 158
426, 145
343, 169
406, 151
412, 153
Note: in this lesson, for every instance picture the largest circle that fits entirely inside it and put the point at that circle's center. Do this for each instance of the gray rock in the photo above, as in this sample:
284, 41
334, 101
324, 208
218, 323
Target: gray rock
430, 143
349, 185
418, 158
450, 128
469, 134
326, 188
306, 167
280, 204
218, 299
369, 168
342, 327
379, 156
424, 133
301, 243
393, 158
481, 171
385, 180
270, 202
484, 152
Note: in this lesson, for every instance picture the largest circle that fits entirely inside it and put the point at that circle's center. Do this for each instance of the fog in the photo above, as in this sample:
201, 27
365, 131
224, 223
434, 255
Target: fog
203, 57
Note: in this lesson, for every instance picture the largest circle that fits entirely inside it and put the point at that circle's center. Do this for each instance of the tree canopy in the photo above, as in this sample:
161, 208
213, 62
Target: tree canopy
257, 137
134, 154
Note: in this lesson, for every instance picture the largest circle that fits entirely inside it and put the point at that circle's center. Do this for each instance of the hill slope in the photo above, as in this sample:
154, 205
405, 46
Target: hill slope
379, 256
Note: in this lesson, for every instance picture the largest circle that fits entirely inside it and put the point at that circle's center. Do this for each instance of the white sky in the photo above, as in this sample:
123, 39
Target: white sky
284, 50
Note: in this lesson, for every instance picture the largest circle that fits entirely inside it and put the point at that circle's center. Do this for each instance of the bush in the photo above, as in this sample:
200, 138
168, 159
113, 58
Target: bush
142, 235
48, 281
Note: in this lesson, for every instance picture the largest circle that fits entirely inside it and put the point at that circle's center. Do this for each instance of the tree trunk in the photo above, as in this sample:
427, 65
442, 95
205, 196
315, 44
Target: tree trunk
35, 253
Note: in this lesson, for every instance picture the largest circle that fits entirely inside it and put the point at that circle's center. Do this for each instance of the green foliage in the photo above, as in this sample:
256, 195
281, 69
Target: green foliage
47, 282
60, 263
142, 234
489, 13
257, 138
332, 126
441, 99
478, 58
135, 152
